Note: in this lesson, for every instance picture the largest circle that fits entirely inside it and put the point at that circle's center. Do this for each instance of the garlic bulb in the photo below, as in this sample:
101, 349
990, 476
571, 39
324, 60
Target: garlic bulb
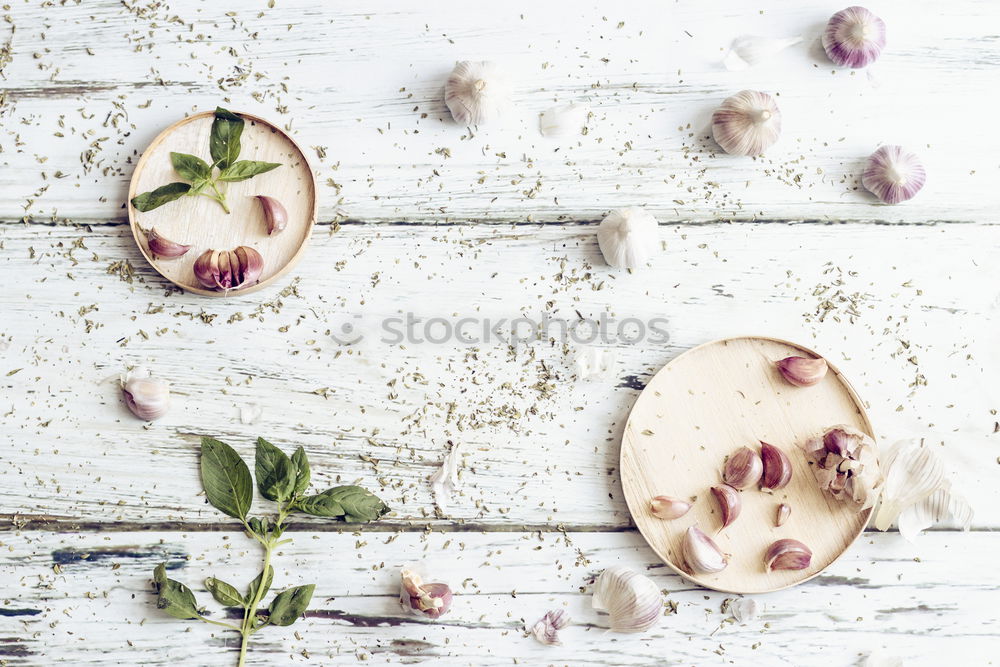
845, 464
627, 237
632, 601
476, 92
564, 120
944, 504
147, 397
913, 471
420, 598
854, 37
229, 269
748, 123
701, 554
894, 174
546, 629
749, 50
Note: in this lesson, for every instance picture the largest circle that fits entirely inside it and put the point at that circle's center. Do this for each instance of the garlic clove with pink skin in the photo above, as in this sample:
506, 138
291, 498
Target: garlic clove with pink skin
729, 501
667, 507
743, 469
781, 515
777, 467
854, 37
163, 248
420, 598
801, 371
275, 215
701, 554
894, 174
787, 554
147, 397
229, 269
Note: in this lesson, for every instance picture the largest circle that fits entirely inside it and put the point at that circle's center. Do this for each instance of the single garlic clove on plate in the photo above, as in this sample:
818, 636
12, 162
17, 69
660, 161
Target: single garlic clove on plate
476, 92
729, 501
163, 248
701, 554
781, 516
627, 237
632, 601
147, 397
748, 123
275, 215
801, 371
777, 467
743, 469
854, 37
667, 507
894, 174
787, 554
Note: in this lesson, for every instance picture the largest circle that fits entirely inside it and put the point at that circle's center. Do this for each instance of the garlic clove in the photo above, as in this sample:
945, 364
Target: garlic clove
564, 120
854, 37
894, 174
729, 501
743, 469
913, 471
632, 601
627, 237
802, 372
164, 248
546, 629
251, 265
748, 123
420, 598
476, 92
275, 215
206, 269
781, 516
701, 554
147, 397
787, 554
666, 507
749, 50
777, 467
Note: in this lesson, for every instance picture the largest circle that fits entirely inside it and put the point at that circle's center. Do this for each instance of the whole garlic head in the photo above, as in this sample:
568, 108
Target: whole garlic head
476, 92
627, 237
845, 463
147, 397
633, 601
854, 37
894, 174
748, 123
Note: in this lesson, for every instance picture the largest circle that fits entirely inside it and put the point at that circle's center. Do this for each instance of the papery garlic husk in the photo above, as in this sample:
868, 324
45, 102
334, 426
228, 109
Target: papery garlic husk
743, 469
749, 50
854, 37
164, 248
913, 471
275, 215
744, 610
701, 554
748, 123
563, 120
546, 629
781, 514
476, 92
880, 658
421, 598
627, 237
894, 174
667, 507
632, 601
845, 463
229, 269
147, 397
777, 467
943, 504
787, 554
595, 363
729, 502
801, 371
445, 481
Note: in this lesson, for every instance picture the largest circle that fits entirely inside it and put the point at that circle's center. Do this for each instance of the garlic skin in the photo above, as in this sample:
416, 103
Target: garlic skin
632, 601
801, 371
781, 515
476, 92
432, 600
748, 123
147, 397
749, 50
787, 554
701, 554
854, 37
943, 504
729, 501
229, 269
667, 507
894, 174
564, 120
627, 237
845, 463
445, 482
743, 469
744, 610
595, 363
275, 215
777, 468
163, 248
546, 629
913, 471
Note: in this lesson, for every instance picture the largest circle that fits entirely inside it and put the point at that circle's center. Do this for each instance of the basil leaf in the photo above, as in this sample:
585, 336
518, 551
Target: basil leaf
190, 167
320, 505
244, 169
302, 473
197, 185
359, 505
173, 597
224, 141
147, 201
288, 605
256, 583
223, 593
275, 473
226, 478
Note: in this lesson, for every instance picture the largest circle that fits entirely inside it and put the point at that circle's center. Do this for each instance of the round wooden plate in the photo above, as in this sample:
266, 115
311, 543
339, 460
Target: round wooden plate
202, 223
703, 406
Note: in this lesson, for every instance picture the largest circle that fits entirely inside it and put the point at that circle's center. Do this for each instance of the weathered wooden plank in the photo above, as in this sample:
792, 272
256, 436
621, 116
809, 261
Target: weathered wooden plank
906, 312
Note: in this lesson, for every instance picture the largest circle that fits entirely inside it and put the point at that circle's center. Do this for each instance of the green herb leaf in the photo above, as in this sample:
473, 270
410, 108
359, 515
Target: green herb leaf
224, 594
224, 141
353, 503
190, 167
252, 589
226, 478
302, 473
288, 605
275, 472
244, 169
320, 505
174, 597
147, 201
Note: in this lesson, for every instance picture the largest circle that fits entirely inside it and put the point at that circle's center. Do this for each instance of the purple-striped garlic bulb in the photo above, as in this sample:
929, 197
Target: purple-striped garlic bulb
854, 37
894, 174
748, 123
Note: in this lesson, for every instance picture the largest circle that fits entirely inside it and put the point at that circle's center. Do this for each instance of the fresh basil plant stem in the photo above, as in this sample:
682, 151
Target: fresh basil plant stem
224, 147
229, 488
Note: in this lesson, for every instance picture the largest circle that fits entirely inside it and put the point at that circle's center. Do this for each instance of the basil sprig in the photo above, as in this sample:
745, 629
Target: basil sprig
205, 179
229, 488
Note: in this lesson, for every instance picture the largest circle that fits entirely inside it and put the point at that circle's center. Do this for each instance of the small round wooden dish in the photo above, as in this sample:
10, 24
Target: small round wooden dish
202, 223
703, 406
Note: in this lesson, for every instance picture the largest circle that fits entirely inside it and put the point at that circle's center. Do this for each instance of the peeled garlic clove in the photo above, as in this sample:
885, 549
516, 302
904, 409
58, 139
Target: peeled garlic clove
894, 174
275, 215
781, 515
729, 501
420, 598
162, 247
476, 92
802, 372
229, 269
632, 601
546, 629
787, 555
750, 50
701, 554
913, 472
564, 120
777, 467
743, 469
148, 398
748, 123
854, 37
666, 507
627, 237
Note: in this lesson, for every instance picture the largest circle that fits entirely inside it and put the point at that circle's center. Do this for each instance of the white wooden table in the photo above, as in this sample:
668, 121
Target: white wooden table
420, 215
